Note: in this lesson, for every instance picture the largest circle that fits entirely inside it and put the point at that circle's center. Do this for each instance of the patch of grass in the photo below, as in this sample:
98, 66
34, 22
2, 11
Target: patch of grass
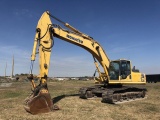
72, 107
152, 108
11, 94
118, 116
149, 108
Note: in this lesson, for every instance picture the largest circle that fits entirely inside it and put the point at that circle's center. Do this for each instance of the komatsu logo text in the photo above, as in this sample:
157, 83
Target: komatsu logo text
75, 39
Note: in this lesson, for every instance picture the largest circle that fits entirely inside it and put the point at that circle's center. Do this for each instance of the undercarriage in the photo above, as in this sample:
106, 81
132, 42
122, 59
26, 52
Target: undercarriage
113, 94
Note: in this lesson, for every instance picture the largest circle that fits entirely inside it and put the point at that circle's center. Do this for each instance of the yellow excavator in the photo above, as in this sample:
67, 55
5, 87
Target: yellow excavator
111, 82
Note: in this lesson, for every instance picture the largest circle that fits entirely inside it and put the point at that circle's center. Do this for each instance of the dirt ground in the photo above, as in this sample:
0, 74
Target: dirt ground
65, 94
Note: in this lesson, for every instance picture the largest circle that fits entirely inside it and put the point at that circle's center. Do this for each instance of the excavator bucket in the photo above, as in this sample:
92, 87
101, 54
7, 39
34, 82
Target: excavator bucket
40, 103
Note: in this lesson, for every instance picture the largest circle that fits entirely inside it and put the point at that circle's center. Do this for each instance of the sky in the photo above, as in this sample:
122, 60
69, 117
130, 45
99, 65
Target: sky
127, 29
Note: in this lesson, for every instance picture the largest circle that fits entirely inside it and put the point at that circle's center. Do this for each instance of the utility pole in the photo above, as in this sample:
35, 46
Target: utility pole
5, 69
12, 67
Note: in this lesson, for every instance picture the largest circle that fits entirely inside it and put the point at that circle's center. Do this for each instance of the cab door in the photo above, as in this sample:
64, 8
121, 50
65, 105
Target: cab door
125, 71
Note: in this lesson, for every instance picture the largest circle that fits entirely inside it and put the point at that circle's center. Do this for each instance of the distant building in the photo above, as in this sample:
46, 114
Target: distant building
74, 78
60, 79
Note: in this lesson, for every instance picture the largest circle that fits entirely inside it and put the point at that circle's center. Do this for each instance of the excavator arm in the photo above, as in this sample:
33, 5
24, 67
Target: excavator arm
45, 32
40, 101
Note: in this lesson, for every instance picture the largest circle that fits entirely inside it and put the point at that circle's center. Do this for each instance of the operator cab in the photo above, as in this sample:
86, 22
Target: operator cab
119, 69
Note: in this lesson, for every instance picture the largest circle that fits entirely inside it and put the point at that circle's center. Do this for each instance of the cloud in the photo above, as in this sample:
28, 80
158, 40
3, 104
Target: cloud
150, 69
22, 12
71, 66
21, 58
119, 48
9, 51
59, 66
